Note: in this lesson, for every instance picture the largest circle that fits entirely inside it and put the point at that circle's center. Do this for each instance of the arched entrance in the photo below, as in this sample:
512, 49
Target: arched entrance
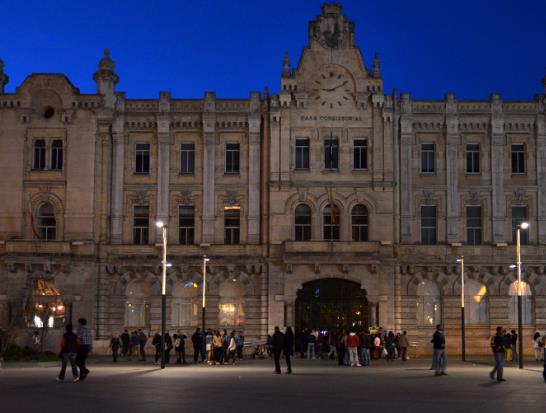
332, 304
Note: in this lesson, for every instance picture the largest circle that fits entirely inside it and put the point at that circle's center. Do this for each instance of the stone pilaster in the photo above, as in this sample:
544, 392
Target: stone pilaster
541, 175
118, 163
497, 169
254, 143
209, 140
407, 141
452, 144
163, 140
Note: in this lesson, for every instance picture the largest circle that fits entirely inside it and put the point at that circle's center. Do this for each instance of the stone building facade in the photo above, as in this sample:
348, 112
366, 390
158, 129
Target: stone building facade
329, 205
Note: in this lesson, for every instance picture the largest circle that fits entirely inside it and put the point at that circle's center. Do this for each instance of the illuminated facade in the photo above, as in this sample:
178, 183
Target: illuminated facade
330, 192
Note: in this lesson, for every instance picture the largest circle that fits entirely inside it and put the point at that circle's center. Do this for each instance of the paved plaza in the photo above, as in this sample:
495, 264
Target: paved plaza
251, 386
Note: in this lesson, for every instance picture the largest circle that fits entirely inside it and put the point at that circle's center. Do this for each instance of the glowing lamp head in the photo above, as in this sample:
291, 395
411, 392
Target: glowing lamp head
513, 265
159, 224
524, 225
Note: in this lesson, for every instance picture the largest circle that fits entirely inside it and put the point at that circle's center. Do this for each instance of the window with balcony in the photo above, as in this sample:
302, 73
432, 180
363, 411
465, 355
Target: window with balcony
359, 217
302, 216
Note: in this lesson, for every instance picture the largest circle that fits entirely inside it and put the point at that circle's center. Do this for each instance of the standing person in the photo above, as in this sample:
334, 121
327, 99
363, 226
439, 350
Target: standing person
218, 345
208, 345
232, 348
352, 347
288, 348
182, 349
514, 342
135, 345
538, 346
403, 342
341, 348
69, 350
156, 342
197, 342
86, 342
497, 345
390, 345
440, 355
168, 347
277, 345
142, 340
365, 345
125, 341
240, 345
377, 347
311, 342
115, 344
225, 344
397, 345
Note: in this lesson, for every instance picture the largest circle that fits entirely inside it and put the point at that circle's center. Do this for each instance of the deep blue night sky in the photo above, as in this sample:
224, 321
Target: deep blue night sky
470, 47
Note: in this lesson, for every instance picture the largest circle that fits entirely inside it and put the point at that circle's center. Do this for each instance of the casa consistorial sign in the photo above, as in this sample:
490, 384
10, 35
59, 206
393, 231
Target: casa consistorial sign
331, 118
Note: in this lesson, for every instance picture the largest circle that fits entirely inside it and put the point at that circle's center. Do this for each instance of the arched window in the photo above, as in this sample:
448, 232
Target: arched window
231, 307
359, 216
302, 223
47, 224
137, 304
331, 223
526, 303
185, 304
428, 304
475, 303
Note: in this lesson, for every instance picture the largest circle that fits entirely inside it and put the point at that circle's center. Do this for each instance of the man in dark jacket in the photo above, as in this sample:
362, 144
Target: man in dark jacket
125, 341
198, 345
497, 345
142, 340
440, 356
277, 345
69, 349
288, 348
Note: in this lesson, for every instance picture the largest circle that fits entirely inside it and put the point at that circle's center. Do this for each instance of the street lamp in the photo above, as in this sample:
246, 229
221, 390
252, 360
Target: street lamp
163, 227
205, 260
463, 343
519, 227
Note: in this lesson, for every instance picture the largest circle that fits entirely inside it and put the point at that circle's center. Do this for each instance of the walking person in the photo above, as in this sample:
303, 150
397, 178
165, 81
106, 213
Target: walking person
135, 346
168, 347
440, 355
403, 342
232, 348
390, 346
115, 344
142, 340
85, 338
277, 346
69, 350
497, 345
311, 343
156, 342
288, 348
240, 339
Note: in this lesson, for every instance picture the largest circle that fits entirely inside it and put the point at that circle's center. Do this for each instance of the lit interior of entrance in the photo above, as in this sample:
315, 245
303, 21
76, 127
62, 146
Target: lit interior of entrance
332, 305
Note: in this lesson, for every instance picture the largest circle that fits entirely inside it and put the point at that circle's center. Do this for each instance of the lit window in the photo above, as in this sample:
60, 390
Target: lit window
476, 303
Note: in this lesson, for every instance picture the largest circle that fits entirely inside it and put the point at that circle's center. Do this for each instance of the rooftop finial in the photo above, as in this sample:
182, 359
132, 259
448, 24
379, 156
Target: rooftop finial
286, 65
106, 79
4, 79
376, 66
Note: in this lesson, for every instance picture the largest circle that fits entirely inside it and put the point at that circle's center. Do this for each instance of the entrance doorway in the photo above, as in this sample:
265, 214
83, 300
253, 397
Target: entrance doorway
331, 305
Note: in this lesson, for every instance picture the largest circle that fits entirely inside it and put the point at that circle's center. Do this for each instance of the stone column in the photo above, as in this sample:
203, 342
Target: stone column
209, 141
163, 158
406, 169
452, 143
397, 298
118, 169
541, 176
254, 122
497, 169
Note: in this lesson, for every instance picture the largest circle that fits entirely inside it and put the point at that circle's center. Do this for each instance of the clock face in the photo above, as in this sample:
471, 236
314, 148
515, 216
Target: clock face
333, 88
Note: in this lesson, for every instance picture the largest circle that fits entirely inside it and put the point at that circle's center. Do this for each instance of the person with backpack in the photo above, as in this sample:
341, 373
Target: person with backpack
69, 350
180, 347
497, 346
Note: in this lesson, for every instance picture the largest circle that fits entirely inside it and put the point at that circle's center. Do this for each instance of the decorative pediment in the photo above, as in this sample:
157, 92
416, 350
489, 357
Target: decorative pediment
331, 29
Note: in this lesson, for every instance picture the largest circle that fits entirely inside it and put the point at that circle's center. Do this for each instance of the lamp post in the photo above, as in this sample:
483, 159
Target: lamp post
519, 227
163, 227
463, 338
204, 303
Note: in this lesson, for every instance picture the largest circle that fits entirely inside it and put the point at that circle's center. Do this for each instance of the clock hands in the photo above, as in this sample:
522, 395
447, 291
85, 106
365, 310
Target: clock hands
335, 87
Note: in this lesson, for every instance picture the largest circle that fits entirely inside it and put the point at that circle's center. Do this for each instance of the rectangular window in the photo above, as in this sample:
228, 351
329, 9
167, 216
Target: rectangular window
57, 155
232, 224
187, 158
186, 225
142, 158
302, 153
473, 158
518, 159
232, 158
360, 154
141, 221
427, 157
428, 225
474, 225
331, 153
39, 154
519, 215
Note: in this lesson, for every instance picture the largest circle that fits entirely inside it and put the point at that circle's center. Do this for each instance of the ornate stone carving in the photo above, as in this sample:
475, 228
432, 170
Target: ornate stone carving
331, 29
473, 198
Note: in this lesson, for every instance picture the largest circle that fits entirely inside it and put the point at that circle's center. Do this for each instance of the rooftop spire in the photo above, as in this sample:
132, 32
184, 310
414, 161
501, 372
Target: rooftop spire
4, 79
543, 81
376, 66
286, 65
106, 79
